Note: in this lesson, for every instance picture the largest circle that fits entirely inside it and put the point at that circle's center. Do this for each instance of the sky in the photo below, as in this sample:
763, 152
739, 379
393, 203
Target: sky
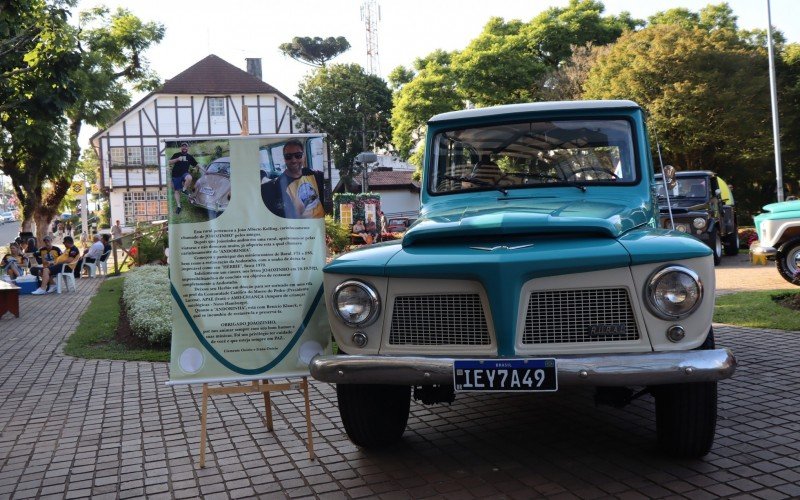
407, 29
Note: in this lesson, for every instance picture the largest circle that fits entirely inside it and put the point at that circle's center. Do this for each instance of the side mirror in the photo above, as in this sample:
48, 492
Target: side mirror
669, 175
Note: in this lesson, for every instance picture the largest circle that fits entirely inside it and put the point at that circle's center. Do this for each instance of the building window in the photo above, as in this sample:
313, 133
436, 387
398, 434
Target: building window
346, 214
134, 155
150, 155
216, 106
145, 206
117, 156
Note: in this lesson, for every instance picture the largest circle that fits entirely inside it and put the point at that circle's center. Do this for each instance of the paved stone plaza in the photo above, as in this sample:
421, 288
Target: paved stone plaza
112, 429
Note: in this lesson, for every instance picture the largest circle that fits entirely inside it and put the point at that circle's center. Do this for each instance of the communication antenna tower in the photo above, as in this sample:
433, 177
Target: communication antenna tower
371, 14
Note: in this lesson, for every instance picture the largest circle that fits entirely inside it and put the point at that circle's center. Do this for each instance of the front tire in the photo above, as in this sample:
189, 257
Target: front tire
686, 418
716, 247
686, 414
374, 415
788, 261
732, 243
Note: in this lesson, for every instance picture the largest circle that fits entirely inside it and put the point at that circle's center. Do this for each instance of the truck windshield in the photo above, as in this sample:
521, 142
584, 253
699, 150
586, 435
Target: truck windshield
685, 187
533, 154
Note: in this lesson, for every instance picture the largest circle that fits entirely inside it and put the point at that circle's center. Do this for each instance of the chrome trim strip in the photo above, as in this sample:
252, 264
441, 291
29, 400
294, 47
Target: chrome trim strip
636, 369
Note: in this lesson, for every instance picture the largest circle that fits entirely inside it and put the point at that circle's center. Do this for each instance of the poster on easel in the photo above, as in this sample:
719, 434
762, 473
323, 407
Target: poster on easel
246, 251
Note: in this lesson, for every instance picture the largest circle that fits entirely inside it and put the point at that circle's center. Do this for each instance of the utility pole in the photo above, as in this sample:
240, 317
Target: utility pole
776, 131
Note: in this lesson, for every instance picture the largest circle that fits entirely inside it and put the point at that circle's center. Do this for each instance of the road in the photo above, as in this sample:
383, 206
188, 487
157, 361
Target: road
8, 232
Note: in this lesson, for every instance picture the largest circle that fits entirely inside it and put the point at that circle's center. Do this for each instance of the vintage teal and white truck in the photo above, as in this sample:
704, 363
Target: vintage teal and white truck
537, 263
778, 230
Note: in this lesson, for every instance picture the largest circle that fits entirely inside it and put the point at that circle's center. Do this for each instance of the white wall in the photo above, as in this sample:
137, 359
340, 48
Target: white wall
398, 201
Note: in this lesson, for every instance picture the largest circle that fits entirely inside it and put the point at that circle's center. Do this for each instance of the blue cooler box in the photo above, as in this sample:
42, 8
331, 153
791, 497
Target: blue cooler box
27, 287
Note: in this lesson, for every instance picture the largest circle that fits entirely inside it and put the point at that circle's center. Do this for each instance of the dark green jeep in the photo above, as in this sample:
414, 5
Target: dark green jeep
702, 205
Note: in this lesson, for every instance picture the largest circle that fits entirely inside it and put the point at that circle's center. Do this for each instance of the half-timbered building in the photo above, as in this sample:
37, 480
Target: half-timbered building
205, 100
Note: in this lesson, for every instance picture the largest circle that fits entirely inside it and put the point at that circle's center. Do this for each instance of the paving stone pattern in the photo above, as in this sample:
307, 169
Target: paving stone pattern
72, 428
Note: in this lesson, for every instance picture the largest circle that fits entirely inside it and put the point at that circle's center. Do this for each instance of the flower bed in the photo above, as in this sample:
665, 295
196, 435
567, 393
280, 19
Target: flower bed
146, 297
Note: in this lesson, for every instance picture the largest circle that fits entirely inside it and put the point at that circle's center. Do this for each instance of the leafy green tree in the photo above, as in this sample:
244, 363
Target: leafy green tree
430, 92
399, 77
314, 51
38, 55
351, 106
507, 62
708, 106
112, 61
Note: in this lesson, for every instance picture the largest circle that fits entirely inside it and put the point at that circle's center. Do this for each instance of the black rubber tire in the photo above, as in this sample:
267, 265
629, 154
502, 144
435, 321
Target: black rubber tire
686, 418
731, 243
716, 247
686, 414
788, 251
374, 415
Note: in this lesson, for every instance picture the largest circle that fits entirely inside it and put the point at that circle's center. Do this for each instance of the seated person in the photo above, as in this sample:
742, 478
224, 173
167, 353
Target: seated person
91, 255
106, 238
372, 228
45, 256
360, 230
30, 247
64, 263
14, 262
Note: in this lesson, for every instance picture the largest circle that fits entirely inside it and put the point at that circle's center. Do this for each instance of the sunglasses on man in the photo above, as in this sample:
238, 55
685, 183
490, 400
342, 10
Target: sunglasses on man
296, 156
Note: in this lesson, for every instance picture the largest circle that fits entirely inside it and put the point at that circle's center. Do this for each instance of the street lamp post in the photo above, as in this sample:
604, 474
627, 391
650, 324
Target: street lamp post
774, 99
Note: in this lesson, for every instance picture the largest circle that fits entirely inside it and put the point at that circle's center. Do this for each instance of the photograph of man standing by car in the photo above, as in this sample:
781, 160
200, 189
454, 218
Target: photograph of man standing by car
181, 178
298, 193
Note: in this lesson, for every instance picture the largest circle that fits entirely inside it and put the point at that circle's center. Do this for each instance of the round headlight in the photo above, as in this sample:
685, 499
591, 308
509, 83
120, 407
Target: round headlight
699, 223
674, 292
356, 303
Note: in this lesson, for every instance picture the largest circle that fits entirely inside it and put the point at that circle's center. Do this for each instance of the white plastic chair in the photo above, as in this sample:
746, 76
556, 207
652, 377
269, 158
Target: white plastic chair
69, 280
101, 265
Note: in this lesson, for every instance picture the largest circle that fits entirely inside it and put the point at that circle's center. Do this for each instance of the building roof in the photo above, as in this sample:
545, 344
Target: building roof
385, 180
210, 75
213, 75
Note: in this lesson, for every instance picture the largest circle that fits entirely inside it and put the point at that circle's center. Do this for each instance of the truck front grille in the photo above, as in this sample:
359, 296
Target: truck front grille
563, 316
442, 319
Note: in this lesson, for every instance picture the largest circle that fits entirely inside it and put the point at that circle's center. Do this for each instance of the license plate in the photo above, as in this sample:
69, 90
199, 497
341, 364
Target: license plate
505, 375
207, 190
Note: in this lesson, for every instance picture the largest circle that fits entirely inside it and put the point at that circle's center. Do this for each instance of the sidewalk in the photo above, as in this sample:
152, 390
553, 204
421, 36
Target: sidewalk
112, 429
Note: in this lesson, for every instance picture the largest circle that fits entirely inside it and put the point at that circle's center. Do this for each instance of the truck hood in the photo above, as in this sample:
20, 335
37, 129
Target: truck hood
526, 216
784, 206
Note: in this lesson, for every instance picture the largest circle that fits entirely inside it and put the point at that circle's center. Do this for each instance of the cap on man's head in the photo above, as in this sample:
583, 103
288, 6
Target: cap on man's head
185, 144
47, 238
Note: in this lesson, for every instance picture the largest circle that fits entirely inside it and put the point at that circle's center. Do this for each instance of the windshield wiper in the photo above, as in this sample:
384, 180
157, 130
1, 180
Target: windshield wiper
475, 180
523, 175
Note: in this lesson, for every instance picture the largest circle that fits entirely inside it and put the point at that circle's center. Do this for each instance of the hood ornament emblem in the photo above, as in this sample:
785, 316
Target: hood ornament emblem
502, 247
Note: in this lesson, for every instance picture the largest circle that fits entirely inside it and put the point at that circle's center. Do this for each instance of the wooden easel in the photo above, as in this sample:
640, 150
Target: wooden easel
264, 387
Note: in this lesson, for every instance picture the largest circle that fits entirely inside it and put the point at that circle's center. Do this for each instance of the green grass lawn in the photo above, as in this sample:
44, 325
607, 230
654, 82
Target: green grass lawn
757, 310
189, 213
94, 337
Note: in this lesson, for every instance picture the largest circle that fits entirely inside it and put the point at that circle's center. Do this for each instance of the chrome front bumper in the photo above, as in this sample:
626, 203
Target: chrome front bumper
638, 369
769, 252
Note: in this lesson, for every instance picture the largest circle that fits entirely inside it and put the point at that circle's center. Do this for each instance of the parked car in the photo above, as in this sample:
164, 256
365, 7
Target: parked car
702, 205
545, 272
778, 230
212, 190
398, 224
7, 217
